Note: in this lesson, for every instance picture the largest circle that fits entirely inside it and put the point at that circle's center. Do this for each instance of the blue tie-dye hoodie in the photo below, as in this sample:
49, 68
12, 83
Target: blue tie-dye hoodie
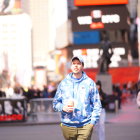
87, 105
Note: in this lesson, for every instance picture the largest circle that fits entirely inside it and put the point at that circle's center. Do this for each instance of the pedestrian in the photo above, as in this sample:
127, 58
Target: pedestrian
78, 100
138, 95
138, 99
101, 124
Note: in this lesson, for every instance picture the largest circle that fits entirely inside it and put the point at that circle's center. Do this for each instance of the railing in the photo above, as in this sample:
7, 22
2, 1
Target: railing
41, 110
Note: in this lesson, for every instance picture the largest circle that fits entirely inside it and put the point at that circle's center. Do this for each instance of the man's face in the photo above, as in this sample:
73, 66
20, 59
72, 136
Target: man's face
76, 66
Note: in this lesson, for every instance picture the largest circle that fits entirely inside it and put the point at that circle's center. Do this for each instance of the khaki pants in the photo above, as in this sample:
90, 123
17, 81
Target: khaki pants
77, 133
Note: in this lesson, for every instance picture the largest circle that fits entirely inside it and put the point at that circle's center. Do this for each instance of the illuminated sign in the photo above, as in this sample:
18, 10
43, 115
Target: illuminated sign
98, 2
109, 17
86, 37
91, 56
83, 20
13, 117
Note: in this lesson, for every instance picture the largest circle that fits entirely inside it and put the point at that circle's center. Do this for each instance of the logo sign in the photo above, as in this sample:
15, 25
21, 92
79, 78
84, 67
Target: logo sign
98, 2
107, 17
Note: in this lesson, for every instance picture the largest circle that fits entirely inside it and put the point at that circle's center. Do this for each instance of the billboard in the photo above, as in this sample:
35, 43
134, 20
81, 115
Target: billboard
86, 37
98, 2
100, 17
91, 56
12, 110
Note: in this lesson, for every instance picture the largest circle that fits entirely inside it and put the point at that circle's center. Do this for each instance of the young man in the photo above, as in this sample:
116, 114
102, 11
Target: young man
78, 100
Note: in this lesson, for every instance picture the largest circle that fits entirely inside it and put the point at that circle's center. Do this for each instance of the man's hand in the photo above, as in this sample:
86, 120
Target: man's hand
68, 108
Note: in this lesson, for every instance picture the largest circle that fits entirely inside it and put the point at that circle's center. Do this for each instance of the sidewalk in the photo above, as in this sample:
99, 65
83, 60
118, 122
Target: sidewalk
129, 113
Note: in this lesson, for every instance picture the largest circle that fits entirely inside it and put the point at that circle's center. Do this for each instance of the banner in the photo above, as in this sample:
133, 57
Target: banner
12, 110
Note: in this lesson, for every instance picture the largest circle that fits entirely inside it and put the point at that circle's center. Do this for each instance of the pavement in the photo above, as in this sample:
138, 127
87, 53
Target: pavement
121, 125
129, 113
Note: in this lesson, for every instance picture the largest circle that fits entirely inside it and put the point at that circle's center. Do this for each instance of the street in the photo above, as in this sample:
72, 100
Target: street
124, 125
126, 131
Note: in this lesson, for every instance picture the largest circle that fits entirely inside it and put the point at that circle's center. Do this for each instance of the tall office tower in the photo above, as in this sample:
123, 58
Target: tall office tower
49, 30
15, 48
43, 34
48, 22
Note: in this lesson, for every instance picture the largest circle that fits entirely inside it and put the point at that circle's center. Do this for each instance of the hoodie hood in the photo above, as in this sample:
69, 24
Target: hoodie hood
71, 78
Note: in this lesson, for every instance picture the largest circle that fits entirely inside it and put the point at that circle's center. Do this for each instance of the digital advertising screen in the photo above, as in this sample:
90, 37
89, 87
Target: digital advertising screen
102, 18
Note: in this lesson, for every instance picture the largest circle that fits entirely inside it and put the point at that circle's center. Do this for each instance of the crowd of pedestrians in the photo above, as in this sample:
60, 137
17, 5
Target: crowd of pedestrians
32, 92
121, 92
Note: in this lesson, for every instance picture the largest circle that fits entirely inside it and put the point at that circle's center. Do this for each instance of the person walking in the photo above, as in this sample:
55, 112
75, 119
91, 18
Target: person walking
138, 99
101, 124
138, 95
78, 100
